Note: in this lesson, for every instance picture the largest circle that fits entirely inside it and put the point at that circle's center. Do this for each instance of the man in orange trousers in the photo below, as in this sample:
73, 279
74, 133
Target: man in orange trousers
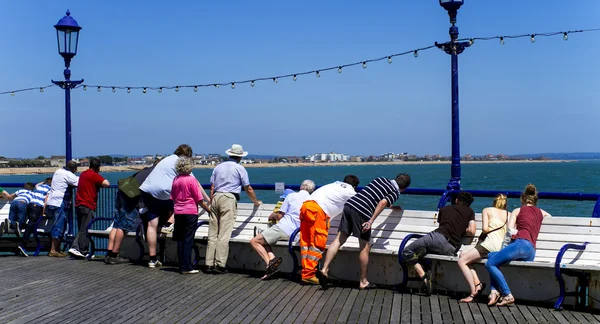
315, 213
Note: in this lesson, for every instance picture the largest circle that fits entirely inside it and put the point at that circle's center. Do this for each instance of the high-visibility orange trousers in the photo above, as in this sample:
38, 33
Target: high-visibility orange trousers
314, 227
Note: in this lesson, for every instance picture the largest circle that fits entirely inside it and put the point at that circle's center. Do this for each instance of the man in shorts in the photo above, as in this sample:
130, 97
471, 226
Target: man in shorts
289, 221
357, 218
455, 221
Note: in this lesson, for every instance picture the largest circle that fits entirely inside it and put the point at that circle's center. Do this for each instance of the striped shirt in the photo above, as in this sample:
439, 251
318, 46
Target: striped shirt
23, 195
366, 200
39, 194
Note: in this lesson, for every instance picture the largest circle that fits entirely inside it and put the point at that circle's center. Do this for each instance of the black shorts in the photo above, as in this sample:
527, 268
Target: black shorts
161, 209
351, 224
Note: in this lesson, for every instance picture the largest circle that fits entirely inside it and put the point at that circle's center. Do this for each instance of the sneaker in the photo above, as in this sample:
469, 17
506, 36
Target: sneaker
76, 254
208, 270
311, 281
57, 254
120, 260
167, 229
108, 260
22, 251
219, 270
154, 264
190, 272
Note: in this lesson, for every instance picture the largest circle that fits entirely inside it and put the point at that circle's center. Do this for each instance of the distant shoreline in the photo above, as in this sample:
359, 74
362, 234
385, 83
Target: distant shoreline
49, 170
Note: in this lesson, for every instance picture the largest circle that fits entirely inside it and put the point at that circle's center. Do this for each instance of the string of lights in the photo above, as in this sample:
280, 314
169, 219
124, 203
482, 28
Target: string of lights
316, 72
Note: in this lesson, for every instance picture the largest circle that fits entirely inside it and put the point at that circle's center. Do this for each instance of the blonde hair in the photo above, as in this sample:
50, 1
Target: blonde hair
183, 165
500, 201
530, 195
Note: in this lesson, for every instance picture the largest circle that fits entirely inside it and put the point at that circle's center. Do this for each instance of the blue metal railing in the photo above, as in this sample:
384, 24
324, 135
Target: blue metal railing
106, 200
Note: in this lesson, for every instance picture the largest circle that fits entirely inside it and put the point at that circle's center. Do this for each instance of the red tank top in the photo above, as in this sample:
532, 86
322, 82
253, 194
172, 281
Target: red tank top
529, 222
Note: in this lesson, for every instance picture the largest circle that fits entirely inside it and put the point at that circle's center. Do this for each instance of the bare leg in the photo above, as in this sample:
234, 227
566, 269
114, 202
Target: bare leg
54, 245
111, 238
151, 236
463, 263
119, 237
363, 257
419, 269
340, 239
259, 245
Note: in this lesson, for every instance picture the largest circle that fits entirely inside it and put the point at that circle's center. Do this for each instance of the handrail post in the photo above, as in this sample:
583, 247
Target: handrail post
596, 213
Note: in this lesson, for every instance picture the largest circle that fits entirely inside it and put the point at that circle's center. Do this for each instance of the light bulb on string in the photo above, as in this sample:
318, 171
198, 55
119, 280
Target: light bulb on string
99, 89
113, 89
318, 74
12, 93
84, 88
128, 90
232, 85
176, 88
252, 83
144, 90
532, 39
160, 90
195, 88
364, 65
416, 53
275, 80
565, 36
340, 69
216, 86
389, 59
294, 77
501, 40
41, 89
471, 41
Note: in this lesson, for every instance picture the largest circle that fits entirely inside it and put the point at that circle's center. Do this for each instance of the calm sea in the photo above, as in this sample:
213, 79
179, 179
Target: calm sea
583, 176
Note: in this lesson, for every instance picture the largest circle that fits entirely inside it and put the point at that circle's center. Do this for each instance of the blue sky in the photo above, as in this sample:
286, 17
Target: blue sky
515, 98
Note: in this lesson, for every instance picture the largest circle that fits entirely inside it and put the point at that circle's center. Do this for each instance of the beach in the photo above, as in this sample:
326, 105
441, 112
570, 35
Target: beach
127, 168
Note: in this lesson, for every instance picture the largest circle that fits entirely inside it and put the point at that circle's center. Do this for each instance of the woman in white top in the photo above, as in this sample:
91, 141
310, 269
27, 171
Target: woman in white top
494, 221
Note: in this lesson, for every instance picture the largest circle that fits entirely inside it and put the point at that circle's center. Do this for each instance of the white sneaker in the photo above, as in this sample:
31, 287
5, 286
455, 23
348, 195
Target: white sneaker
167, 229
154, 264
75, 253
190, 272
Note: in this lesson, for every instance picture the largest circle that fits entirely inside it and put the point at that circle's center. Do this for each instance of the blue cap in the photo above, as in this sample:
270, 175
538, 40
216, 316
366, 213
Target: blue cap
286, 192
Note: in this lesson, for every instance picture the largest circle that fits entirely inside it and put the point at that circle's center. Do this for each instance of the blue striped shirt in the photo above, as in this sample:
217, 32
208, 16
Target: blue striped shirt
23, 195
39, 194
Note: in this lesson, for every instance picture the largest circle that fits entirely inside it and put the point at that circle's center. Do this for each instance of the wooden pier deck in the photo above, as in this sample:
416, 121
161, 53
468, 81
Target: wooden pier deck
50, 290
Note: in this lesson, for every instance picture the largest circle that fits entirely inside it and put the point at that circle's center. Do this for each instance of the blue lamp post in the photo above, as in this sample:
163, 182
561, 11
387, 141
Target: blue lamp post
67, 32
454, 48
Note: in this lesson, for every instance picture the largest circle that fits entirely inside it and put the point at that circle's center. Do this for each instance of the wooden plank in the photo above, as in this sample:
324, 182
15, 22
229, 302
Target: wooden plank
348, 306
546, 316
255, 305
579, 317
322, 318
516, 314
376, 306
305, 306
526, 313
280, 301
240, 302
445, 309
436, 313
367, 307
386, 306
426, 316
270, 301
568, 316
558, 315
455, 310
465, 311
292, 302
497, 315
320, 305
395, 316
415, 309
476, 313
357, 308
508, 315
334, 314
486, 313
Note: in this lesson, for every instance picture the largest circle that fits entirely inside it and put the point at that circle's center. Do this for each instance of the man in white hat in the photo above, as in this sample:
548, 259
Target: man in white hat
227, 181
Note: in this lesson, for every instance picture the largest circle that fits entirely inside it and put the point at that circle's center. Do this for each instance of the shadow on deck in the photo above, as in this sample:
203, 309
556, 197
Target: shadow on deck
50, 290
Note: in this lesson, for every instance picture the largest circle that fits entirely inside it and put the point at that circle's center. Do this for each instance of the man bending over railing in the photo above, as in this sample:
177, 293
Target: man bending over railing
455, 221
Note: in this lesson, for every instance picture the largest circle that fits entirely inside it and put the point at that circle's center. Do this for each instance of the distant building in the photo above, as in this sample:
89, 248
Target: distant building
356, 159
58, 160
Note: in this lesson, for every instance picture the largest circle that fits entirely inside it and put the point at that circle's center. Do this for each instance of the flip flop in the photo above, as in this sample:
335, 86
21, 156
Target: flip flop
494, 300
506, 301
322, 280
367, 287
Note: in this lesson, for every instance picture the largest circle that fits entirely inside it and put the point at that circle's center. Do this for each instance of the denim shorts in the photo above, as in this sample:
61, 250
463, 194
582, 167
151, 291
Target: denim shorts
59, 216
125, 220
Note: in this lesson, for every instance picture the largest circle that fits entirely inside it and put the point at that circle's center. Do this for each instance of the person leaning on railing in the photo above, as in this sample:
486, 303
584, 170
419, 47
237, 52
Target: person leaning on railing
227, 181
494, 220
528, 221
35, 210
58, 202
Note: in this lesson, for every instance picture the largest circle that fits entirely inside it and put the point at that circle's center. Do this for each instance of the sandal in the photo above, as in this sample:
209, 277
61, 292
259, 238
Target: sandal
506, 301
275, 262
494, 297
272, 269
322, 279
367, 287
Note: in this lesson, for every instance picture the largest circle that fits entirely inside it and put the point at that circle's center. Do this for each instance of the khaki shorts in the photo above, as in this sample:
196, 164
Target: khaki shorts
274, 234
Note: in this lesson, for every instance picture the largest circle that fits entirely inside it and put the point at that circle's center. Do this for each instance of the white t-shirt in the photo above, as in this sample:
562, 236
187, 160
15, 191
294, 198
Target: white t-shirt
291, 209
61, 180
159, 182
332, 197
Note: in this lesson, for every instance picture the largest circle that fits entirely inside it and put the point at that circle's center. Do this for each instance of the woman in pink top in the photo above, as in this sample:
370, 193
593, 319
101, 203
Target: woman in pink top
186, 196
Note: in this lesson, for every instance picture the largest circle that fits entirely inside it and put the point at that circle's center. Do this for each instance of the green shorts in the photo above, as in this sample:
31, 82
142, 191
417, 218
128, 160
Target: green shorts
274, 234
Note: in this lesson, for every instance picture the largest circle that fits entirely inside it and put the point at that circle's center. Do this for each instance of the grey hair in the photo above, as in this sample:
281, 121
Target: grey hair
183, 165
308, 185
